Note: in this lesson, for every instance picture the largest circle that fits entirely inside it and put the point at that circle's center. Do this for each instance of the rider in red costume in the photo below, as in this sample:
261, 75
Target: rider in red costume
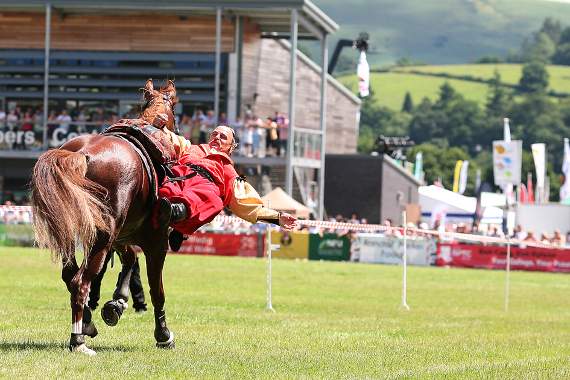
207, 182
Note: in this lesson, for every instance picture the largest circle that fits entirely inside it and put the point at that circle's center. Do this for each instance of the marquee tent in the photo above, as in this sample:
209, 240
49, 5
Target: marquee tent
279, 200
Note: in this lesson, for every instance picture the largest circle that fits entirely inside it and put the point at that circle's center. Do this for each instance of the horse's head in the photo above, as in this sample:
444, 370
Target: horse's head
158, 108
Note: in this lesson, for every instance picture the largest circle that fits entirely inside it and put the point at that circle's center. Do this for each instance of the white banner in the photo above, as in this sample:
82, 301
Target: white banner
539, 156
363, 73
382, 249
507, 160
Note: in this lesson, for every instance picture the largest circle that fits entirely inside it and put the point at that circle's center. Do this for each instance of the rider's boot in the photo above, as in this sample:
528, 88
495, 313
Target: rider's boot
172, 213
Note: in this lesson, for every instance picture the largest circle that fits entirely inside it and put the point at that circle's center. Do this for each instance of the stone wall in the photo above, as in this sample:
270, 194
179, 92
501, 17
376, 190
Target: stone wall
265, 85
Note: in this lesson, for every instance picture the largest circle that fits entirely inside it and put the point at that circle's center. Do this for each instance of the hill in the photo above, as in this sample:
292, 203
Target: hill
442, 31
424, 81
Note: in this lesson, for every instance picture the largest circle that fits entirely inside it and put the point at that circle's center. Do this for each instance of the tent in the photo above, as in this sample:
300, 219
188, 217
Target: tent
279, 200
452, 206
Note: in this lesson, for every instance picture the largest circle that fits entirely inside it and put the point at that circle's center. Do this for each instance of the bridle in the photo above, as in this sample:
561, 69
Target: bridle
168, 102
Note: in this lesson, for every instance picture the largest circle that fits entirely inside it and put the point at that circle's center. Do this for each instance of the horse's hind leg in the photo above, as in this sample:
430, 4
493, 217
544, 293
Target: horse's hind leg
79, 289
112, 311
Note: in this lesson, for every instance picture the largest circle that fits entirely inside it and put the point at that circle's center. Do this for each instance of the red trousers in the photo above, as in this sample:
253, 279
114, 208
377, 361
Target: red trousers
201, 197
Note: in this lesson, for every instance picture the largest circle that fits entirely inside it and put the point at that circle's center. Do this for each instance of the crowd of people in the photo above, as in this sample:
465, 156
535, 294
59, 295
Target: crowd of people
258, 137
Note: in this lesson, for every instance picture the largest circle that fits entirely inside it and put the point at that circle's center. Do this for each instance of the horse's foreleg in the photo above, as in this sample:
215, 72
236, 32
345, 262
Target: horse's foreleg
112, 311
154, 264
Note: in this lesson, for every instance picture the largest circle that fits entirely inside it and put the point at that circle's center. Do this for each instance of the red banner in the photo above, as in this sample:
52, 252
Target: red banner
495, 257
223, 244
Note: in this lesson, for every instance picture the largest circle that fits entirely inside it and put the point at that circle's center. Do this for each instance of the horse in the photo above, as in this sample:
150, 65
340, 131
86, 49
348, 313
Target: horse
94, 189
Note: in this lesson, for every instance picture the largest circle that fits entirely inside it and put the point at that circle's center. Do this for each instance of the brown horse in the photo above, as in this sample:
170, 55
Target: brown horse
94, 190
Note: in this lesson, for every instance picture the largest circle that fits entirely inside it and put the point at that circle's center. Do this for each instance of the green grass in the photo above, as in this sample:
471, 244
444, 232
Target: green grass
391, 87
333, 320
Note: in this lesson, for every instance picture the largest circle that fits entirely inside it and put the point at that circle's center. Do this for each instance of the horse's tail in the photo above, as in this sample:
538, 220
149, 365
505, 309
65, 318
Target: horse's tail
67, 205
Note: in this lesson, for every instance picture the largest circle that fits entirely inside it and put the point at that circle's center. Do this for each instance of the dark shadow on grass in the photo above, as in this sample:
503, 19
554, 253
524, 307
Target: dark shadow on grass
48, 346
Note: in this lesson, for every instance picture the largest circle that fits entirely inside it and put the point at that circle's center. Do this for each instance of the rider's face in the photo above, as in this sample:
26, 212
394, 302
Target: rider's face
222, 139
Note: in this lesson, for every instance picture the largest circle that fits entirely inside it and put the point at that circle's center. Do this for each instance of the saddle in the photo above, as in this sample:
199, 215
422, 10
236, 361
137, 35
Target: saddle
153, 147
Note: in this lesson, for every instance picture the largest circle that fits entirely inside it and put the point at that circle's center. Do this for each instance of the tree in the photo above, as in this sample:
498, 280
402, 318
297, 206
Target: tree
534, 77
562, 55
552, 29
539, 47
497, 101
408, 105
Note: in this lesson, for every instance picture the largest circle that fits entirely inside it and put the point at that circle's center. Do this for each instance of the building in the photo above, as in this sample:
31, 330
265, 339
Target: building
375, 187
77, 65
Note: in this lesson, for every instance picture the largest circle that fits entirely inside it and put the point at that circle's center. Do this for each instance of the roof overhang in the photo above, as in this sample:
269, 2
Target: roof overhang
272, 16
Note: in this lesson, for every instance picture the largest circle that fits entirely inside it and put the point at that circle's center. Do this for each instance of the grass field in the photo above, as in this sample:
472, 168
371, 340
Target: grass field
391, 87
333, 320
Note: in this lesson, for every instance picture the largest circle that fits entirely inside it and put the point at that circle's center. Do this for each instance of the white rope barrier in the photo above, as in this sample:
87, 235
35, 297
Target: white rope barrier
369, 228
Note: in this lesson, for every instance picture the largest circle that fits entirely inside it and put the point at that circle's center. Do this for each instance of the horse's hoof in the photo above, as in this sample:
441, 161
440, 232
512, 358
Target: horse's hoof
90, 330
169, 344
83, 349
112, 310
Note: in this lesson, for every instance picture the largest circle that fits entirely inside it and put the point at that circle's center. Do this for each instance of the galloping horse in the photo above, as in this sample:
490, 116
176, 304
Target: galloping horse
94, 189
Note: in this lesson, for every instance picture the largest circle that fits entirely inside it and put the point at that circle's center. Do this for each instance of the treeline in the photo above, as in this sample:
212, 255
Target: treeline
550, 45
452, 128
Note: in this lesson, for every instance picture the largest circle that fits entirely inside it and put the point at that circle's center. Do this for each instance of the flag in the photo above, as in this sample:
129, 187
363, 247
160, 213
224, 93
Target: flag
539, 156
529, 188
456, 174
418, 167
523, 194
363, 73
463, 177
565, 188
506, 130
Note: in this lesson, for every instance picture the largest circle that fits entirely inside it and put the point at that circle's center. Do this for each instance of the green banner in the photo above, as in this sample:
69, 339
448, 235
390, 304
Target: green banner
21, 235
329, 247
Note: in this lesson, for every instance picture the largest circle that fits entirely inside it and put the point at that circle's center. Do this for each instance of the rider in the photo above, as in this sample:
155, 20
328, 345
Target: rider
207, 182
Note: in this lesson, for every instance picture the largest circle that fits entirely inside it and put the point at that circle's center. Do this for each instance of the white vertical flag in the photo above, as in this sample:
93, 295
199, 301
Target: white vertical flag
565, 188
463, 177
363, 73
539, 156
506, 130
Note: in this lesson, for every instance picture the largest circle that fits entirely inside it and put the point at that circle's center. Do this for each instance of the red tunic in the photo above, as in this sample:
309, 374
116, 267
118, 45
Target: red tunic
203, 199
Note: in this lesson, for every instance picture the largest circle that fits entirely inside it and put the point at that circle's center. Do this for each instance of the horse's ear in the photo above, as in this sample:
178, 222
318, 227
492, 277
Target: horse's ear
170, 89
148, 90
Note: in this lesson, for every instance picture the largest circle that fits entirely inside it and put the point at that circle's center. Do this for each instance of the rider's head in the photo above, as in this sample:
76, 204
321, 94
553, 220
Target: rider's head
223, 139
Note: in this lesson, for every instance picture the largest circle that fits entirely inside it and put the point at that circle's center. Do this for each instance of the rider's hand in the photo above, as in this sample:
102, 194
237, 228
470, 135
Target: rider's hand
287, 221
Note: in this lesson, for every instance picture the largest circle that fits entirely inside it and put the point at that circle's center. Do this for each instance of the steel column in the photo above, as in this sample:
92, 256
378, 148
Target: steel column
292, 86
46, 73
323, 120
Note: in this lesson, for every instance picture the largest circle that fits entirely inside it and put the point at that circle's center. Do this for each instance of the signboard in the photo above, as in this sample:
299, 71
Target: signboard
224, 244
381, 249
495, 257
507, 160
329, 247
292, 245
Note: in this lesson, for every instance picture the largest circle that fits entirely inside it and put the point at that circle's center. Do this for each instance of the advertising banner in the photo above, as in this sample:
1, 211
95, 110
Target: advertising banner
507, 161
208, 243
292, 245
495, 257
329, 247
381, 249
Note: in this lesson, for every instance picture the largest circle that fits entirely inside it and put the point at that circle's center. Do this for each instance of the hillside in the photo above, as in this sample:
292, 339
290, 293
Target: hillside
391, 87
442, 31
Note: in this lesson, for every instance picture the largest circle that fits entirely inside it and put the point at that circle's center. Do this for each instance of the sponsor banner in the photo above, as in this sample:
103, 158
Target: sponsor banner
507, 161
495, 257
207, 243
382, 249
329, 247
292, 245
